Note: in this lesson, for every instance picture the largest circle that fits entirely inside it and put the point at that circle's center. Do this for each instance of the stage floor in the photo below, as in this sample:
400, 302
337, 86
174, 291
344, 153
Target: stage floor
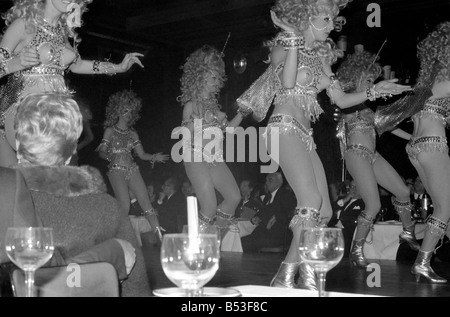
235, 269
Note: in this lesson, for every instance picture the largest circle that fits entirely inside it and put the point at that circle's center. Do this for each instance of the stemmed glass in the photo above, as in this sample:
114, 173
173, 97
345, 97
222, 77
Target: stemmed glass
29, 249
190, 261
323, 249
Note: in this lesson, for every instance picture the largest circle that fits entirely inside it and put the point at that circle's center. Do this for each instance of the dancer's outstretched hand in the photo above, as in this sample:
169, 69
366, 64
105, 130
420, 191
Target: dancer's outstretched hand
390, 87
129, 60
160, 158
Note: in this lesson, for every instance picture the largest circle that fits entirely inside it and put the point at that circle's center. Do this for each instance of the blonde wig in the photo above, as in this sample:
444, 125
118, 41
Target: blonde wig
204, 60
48, 127
299, 12
118, 102
355, 68
434, 55
32, 12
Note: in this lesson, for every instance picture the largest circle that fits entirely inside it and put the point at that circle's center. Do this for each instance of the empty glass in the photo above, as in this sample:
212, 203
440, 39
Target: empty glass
190, 261
323, 249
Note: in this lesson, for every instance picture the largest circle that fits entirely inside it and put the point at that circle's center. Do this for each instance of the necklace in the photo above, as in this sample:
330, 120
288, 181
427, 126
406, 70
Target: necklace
120, 130
50, 29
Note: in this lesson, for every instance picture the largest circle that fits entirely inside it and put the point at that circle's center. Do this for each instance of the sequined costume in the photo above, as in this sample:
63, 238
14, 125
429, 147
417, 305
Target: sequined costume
118, 149
302, 96
47, 77
434, 109
205, 122
357, 123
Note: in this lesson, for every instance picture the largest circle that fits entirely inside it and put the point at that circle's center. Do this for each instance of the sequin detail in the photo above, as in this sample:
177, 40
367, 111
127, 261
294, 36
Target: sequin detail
437, 109
363, 152
304, 95
417, 145
287, 124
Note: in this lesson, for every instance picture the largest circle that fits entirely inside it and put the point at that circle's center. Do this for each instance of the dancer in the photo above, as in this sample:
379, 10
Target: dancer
301, 56
203, 77
368, 168
119, 140
35, 52
428, 150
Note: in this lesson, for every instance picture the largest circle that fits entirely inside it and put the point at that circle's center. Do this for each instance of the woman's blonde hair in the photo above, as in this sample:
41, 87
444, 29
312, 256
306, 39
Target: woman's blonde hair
48, 127
434, 55
119, 101
356, 65
298, 14
32, 11
197, 65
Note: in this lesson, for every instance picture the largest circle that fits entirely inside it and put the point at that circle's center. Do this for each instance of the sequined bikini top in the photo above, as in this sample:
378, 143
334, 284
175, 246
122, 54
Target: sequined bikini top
122, 141
360, 120
207, 114
304, 94
50, 42
436, 108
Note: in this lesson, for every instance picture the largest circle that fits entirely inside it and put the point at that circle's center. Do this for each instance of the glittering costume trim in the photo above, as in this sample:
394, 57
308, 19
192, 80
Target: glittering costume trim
436, 109
127, 172
401, 206
201, 154
437, 228
417, 145
363, 152
305, 217
287, 124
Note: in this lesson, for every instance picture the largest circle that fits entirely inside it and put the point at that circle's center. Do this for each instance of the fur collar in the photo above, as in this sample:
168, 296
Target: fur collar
63, 181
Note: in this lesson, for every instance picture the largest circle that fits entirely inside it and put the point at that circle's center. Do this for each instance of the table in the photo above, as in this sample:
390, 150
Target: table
383, 242
267, 291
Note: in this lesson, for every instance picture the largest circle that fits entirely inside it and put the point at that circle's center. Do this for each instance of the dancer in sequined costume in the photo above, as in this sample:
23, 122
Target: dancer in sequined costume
35, 52
357, 135
203, 77
301, 56
429, 108
118, 143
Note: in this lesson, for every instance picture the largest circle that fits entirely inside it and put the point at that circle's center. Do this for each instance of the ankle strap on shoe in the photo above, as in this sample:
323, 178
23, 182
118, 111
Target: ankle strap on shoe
224, 215
365, 220
303, 215
206, 220
436, 226
401, 206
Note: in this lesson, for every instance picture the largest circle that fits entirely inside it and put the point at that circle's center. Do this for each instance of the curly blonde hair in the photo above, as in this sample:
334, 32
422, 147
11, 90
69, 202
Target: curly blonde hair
355, 66
32, 11
197, 66
119, 101
434, 55
299, 12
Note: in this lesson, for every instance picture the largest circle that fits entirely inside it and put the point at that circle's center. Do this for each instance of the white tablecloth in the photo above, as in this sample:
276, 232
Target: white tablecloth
383, 241
266, 291
232, 239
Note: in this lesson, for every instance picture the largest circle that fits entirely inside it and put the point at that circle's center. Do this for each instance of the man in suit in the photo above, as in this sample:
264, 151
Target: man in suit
350, 208
417, 196
172, 207
272, 221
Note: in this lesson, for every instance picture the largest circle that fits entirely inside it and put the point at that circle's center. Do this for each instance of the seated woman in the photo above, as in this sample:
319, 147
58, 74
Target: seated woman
72, 200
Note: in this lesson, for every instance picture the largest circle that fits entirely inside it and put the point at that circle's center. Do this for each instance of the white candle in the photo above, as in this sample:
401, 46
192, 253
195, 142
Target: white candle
192, 216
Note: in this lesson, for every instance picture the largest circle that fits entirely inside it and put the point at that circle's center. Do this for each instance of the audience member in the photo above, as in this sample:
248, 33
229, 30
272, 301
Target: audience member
272, 220
72, 200
186, 188
249, 206
172, 207
350, 208
422, 207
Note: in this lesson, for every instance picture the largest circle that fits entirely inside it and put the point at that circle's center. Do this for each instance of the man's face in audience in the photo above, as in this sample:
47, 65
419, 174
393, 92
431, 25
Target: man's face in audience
245, 188
273, 182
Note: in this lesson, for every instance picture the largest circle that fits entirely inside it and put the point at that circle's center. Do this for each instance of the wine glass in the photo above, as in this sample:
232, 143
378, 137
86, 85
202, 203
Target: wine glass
323, 249
29, 249
190, 261
213, 229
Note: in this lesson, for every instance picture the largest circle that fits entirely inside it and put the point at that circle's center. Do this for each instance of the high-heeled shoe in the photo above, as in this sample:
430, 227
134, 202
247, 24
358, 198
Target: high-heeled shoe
408, 236
307, 277
357, 257
285, 276
423, 268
